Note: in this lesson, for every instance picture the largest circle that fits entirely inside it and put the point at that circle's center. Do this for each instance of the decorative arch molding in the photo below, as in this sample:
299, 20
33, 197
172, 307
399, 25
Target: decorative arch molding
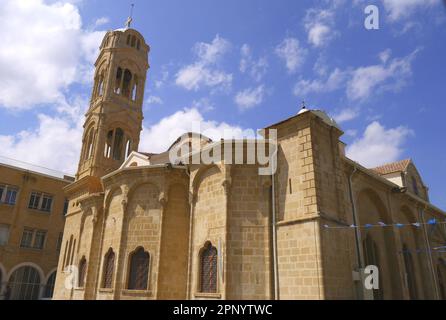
375, 198
109, 196
198, 178
49, 274
27, 264
139, 183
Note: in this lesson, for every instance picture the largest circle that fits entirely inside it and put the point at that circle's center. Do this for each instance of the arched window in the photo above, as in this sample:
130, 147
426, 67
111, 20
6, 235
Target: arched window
118, 81
138, 44
72, 252
82, 272
133, 41
208, 269
371, 254
49, 287
109, 266
128, 148
134, 88
25, 283
128, 40
108, 144
67, 262
89, 151
65, 255
117, 146
139, 270
126, 83
410, 273
100, 87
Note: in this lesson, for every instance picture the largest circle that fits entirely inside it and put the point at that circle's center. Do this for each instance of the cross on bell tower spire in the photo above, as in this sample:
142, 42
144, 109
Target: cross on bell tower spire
130, 18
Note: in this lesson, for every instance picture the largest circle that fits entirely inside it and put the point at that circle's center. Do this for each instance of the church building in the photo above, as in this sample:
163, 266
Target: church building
141, 226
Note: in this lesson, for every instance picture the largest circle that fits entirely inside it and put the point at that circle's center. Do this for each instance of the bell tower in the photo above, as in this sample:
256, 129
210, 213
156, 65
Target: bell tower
114, 119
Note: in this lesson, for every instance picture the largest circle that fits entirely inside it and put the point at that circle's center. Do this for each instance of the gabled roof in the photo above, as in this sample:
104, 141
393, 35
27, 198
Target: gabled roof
398, 166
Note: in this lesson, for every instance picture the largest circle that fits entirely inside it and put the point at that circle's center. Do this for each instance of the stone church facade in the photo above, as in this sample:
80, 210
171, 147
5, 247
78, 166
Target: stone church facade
140, 226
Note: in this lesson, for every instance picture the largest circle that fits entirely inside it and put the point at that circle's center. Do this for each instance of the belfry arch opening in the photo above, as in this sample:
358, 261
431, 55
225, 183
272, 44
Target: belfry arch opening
118, 145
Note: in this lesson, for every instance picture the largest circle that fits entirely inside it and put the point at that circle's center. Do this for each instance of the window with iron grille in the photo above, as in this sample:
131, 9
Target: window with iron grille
109, 265
34, 200
27, 238
139, 270
39, 239
47, 201
82, 272
208, 269
8, 194
65, 207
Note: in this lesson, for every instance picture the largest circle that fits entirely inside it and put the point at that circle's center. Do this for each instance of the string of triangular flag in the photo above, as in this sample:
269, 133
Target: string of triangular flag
380, 224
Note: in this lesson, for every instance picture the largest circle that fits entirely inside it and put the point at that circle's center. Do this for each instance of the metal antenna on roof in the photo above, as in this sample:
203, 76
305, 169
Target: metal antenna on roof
130, 18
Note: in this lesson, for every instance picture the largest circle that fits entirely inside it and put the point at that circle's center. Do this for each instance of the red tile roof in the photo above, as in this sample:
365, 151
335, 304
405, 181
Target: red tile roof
392, 167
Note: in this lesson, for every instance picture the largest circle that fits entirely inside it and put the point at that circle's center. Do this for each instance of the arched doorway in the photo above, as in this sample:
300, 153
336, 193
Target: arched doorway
25, 283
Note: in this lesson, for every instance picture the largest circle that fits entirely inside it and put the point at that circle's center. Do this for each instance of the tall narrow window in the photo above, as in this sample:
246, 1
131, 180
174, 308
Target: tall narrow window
410, 273
371, 254
128, 39
135, 88
82, 272
118, 81
73, 250
133, 41
139, 270
90, 144
128, 148
126, 83
65, 255
27, 238
208, 269
138, 44
108, 144
4, 234
117, 147
59, 242
65, 207
109, 266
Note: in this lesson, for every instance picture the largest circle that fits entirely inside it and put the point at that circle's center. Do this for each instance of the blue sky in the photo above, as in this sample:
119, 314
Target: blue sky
233, 64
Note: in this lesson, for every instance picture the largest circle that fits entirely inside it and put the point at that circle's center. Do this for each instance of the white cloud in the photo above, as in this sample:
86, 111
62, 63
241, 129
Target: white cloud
255, 68
249, 98
400, 9
44, 51
360, 83
319, 24
346, 114
160, 136
54, 144
333, 82
101, 21
381, 77
290, 51
204, 104
378, 145
154, 100
203, 71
